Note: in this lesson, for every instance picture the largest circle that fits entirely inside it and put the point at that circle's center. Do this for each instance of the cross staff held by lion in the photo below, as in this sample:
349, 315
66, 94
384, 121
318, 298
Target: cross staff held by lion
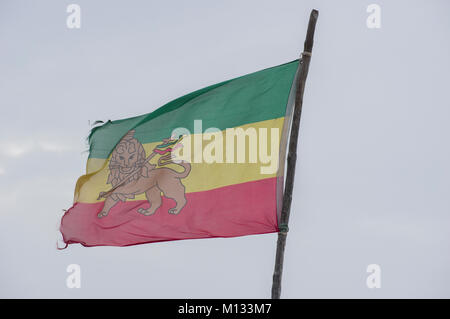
131, 174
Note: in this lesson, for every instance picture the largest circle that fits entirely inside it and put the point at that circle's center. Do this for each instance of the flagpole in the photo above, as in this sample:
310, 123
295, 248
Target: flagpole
292, 155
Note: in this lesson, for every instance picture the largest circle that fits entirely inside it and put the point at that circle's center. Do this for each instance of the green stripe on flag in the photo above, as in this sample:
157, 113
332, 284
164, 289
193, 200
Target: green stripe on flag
251, 98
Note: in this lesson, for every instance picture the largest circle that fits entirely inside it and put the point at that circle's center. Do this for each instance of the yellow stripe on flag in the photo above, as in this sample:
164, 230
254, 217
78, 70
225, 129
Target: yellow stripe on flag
203, 176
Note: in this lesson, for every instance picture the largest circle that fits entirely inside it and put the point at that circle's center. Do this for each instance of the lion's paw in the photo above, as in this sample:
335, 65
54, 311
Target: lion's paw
174, 211
145, 212
102, 214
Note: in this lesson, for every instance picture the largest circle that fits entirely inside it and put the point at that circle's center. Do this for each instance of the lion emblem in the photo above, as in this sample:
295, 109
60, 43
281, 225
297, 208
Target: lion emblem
131, 174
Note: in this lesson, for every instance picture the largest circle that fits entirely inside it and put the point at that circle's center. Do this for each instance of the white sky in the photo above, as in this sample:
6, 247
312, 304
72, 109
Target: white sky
373, 177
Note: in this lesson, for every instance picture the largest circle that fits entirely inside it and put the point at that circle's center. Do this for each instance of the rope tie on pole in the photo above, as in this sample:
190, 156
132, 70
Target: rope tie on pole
306, 53
283, 229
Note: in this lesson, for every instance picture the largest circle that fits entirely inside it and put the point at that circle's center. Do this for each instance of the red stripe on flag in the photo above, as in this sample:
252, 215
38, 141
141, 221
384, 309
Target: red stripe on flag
230, 211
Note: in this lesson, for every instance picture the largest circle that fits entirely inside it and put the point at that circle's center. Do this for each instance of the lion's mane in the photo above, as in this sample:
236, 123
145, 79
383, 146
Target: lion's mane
130, 143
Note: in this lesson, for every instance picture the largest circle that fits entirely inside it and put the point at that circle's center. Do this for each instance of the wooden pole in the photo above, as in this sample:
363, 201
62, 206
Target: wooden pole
292, 155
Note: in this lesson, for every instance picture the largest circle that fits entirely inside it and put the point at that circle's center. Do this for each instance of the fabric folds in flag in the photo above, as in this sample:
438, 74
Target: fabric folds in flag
208, 164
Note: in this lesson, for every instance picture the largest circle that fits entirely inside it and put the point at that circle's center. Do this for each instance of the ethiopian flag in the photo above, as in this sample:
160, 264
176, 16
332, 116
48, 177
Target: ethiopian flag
208, 164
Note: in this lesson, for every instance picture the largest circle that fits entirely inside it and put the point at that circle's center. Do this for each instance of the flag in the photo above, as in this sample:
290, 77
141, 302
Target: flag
208, 164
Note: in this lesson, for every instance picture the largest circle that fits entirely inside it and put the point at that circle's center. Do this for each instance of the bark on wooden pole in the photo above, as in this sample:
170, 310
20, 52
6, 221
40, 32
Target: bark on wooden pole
292, 155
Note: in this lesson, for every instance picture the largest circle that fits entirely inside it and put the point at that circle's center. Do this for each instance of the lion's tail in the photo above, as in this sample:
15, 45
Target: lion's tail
165, 160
